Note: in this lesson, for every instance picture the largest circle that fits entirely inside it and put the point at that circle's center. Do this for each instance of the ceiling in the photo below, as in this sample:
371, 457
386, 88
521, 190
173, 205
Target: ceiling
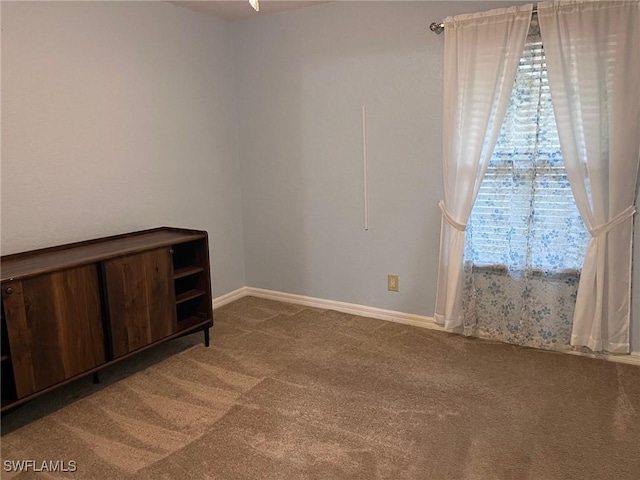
234, 10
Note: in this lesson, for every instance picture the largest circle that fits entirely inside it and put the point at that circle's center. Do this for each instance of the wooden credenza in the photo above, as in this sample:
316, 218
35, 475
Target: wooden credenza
71, 310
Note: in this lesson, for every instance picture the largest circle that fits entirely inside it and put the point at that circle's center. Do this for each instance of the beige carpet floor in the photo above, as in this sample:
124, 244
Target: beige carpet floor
288, 392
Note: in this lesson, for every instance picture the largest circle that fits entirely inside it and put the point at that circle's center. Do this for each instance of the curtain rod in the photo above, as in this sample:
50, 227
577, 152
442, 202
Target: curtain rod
438, 28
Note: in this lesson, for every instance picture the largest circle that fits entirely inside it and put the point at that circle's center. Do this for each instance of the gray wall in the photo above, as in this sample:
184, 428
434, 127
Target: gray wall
303, 77
118, 116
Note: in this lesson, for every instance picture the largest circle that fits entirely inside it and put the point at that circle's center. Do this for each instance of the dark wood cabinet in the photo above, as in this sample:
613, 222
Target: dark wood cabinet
54, 328
141, 299
71, 310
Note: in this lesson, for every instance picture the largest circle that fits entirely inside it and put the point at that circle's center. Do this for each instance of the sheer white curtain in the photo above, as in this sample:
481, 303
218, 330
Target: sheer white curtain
593, 63
526, 240
481, 55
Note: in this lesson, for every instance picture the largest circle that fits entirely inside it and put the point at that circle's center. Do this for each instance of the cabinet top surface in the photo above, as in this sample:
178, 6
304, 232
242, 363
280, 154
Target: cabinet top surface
66, 256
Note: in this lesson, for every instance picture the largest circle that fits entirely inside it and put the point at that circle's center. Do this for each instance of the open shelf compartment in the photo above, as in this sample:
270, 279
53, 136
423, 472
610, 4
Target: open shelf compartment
192, 287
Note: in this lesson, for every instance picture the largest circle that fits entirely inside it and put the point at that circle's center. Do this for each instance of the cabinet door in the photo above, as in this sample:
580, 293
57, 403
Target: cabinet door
140, 299
54, 325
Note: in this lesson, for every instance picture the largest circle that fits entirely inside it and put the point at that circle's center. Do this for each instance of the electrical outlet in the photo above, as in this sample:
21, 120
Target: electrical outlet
392, 283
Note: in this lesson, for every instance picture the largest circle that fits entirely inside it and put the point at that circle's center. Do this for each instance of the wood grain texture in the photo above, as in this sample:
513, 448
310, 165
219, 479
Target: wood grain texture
141, 298
64, 302
54, 325
46, 260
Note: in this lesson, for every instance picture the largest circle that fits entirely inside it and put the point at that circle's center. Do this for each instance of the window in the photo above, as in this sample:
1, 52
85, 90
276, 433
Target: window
525, 216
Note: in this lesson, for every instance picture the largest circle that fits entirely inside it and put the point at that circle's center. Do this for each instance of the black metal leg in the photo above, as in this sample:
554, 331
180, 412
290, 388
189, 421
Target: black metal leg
206, 336
96, 377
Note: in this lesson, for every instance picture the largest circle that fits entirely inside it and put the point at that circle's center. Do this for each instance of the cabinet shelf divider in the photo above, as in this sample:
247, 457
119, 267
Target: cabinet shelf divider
188, 295
187, 271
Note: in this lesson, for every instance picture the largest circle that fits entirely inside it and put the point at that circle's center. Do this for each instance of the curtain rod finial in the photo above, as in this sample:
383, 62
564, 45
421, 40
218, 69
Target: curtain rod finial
436, 28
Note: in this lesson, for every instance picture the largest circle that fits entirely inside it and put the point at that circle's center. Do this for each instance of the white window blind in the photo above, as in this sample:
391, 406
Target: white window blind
525, 216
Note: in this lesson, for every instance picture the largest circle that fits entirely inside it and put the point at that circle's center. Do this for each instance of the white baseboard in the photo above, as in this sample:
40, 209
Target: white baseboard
632, 359
229, 297
352, 308
379, 313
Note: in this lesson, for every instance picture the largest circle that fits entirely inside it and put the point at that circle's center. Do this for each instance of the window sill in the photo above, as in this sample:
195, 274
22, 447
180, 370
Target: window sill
499, 269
